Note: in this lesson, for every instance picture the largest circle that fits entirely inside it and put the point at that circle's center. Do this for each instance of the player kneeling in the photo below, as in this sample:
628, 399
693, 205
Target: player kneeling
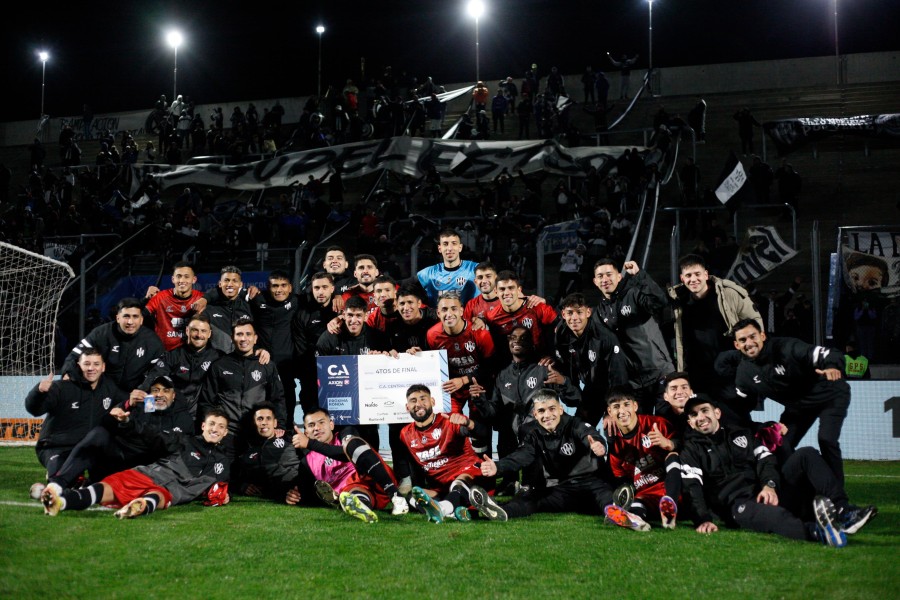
144, 489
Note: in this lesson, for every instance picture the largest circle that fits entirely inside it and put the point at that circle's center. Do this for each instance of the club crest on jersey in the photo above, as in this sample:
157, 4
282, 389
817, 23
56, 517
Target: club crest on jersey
531, 382
287, 306
424, 439
256, 375
567, 449
470, 346
139, 352
625, 310
645, 441
741, 441
592, 356
780, 369
278, 443
107, 402
436, 434
527, 322
184, 308
460, 281
219, 468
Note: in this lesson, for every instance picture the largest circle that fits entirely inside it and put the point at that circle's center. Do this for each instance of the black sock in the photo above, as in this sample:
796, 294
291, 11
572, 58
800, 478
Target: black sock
367, 462
673, 476
151, 501
459, 494
82, 498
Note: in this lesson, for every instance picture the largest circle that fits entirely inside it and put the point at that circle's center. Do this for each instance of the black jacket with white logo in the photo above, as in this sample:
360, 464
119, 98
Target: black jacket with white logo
236, 383
128, 357
723, 468
72, 409
271, 464
187, 367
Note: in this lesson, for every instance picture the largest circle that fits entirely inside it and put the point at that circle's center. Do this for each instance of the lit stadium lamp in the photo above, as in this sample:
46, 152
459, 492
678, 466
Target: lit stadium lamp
174, 39
320, 29
475, 9
44, 56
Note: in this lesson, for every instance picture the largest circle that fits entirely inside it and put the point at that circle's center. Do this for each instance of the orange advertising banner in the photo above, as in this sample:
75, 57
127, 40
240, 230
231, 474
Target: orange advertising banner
20, 430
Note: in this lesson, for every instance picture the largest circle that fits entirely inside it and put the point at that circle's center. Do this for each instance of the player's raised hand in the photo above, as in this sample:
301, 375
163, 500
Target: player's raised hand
151, 291
475, 389
631, 267
658, 439
200, 305
596, 446
44, 385
488, 466
300, 439
119, 415
459, 419
554, 376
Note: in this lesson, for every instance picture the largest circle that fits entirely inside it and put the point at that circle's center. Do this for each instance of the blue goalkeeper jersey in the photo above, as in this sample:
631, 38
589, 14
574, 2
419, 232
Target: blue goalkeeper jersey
438, 280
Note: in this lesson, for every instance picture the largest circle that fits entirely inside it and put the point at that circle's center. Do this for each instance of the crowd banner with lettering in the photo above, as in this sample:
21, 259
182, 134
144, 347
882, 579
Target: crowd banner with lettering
560, 237
470, 161
763, 251
791, 134
871, 261
371, 388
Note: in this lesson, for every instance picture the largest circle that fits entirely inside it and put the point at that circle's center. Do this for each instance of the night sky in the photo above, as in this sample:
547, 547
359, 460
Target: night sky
113, 55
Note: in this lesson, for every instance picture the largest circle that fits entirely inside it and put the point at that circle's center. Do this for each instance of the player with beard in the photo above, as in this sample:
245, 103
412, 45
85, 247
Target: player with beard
170, 309
365, 269
348, 472
308, 325
440, 446
194, 465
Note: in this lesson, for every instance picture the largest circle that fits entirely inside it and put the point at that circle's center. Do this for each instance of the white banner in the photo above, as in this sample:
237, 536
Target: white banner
763, 251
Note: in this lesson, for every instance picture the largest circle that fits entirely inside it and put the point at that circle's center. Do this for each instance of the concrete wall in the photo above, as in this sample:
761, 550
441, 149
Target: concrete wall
675, 81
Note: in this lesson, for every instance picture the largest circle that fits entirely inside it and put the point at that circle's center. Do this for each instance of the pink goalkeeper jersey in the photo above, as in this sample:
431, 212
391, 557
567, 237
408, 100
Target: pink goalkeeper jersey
333, 471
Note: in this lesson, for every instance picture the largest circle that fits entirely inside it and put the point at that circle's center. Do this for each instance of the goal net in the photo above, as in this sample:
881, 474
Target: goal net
31, 287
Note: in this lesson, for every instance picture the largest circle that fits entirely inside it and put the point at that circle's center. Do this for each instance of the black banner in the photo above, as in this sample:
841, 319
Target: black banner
791, 134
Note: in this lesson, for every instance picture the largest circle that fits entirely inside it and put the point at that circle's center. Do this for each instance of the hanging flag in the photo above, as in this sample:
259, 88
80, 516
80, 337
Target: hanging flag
763, 252
732, 182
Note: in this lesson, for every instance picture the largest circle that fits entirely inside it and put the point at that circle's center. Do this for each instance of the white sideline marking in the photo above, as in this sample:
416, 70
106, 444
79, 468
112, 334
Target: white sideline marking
37, 504
860, 476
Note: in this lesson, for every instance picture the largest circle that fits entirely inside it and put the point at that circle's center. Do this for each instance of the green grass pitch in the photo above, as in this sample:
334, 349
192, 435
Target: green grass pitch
256, 549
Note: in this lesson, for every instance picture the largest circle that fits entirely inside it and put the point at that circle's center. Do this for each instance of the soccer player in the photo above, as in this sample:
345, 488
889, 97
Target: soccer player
347, 470
452, 274
308, 325
806, 379
706, 310
273, 312
225, 304
567, 450
365, 269
384, 292
589, 353
170, 309
72, 407
194, 466
628, 305
486, 280
187, 364
270, 467
440, 446
727, 471
411, 331
128, 350
641, 455
237, 382
468, 349
105, 450
513, 310
335, 264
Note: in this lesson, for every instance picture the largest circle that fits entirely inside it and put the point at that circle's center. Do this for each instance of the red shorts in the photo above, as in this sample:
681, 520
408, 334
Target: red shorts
446, 476
131, 484
368, 486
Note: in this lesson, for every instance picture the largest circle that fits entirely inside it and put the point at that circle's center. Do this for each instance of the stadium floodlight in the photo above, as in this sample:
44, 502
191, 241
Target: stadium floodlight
174, 39
475, 9
320, 29
44, 56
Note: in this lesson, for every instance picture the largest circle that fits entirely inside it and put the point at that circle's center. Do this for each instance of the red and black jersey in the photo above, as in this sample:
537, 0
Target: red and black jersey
369, 297
441, 449
380, 321
633, 458
170, 315
468, 353
479, 306
539, 320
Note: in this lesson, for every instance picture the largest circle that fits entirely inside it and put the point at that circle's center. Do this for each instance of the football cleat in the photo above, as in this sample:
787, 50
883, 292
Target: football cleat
621, 517
624, 495
51, 501
461, 513
428, 504
36, 490
326, 492
486, 505
133, 509
353, 506
667, 511
853, 519
399, 505
828, 533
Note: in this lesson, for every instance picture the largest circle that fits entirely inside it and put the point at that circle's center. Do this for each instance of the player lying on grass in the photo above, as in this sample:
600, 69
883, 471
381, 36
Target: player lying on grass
347, 470
270, 467
726, 470
569, 452
196, 465
440, 447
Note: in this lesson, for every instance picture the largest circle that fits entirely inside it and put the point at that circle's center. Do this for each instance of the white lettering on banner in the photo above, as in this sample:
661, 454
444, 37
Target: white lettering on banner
765, 252
731, 184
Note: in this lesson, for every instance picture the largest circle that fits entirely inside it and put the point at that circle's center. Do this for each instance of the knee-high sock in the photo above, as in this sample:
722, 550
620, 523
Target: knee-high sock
368, 462
82, 498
